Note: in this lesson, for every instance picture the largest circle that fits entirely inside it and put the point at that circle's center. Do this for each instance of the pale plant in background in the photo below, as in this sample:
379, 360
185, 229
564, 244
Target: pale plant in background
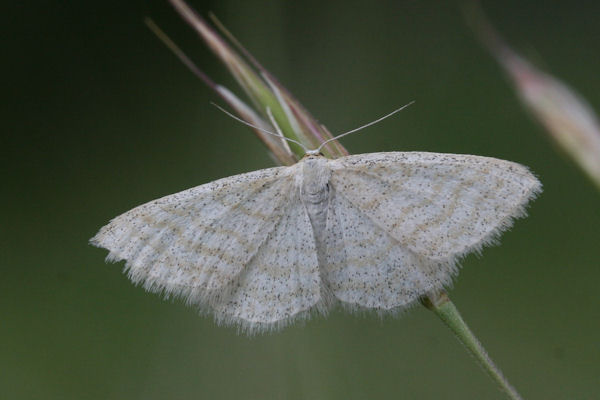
565, 115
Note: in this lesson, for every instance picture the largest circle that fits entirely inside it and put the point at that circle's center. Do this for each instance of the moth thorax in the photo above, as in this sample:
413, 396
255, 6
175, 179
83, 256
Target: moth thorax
315, 177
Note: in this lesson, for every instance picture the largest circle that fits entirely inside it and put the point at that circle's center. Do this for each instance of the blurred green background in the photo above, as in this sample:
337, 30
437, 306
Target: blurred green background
100, 117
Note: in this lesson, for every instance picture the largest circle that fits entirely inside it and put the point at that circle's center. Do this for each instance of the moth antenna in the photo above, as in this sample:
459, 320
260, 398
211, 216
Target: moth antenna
364, 126
274, 122
278, 134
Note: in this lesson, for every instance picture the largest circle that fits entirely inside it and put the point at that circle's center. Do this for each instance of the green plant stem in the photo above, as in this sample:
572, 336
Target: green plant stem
443, 307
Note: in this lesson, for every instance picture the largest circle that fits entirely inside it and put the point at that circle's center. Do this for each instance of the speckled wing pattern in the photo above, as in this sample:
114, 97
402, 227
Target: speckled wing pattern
244, 248
399, 222
282, 281
367, 267
240, 246
437, 205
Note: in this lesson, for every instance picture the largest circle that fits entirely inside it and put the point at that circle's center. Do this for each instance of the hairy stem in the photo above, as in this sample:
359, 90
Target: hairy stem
443, 307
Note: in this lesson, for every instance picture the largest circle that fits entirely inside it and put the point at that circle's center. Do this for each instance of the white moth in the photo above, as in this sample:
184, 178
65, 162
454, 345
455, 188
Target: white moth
262, 249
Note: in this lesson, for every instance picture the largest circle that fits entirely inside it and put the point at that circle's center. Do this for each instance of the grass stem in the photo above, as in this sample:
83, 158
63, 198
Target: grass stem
443, 307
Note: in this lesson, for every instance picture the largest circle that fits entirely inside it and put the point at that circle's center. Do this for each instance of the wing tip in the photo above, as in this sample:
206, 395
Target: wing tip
102, 241
492, 238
